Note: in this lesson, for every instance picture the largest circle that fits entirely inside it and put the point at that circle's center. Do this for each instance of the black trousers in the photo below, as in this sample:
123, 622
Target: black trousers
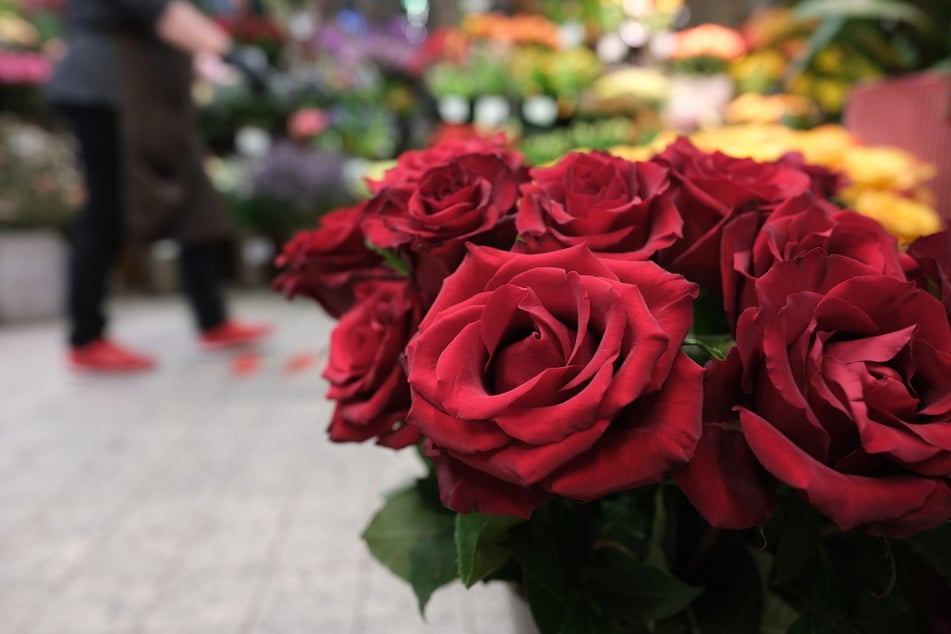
98, 230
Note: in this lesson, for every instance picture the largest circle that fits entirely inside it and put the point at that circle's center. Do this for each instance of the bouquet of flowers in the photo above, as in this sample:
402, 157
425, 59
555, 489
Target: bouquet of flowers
687, 394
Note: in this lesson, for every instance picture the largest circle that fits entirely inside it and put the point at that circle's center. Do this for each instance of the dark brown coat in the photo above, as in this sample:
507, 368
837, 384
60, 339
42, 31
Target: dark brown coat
168, 194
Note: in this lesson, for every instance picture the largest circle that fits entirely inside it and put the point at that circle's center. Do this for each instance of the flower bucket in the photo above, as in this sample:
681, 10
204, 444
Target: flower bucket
453, 108
32, 275
491, 111
697, 100
911, 113
540, 111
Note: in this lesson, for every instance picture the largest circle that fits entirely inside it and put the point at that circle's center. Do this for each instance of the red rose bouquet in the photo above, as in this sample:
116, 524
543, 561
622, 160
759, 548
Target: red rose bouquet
690, 394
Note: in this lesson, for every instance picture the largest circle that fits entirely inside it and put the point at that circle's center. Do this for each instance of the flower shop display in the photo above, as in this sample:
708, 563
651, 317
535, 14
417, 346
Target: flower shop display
700, 88
883, 182
39, 189
685, 394
25, 32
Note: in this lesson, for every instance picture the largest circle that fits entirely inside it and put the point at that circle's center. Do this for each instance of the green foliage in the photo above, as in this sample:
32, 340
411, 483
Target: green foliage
644, 562
415, 541
480, 545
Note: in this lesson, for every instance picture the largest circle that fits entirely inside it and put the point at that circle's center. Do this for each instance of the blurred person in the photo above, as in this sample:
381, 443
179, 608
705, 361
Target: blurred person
124, 89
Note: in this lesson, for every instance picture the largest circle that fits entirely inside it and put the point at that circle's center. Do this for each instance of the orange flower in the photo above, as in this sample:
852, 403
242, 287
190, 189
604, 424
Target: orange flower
708, 40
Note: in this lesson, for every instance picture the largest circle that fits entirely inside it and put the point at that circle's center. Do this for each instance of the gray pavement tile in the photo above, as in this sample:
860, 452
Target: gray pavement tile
197, 602
97, 604
309, 601
191, 500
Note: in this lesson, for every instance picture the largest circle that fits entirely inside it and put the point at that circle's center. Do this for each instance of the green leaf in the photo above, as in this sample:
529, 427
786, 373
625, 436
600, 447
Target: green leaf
632, 592
867, 10
391, 258
934, 548
479, 547
729, 572
798, 541
549, 608
778, 616
659, 532
432, 565
824, 34
414, 541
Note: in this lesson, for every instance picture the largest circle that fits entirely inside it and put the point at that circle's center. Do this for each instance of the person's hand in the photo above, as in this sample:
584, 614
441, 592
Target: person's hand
211, 67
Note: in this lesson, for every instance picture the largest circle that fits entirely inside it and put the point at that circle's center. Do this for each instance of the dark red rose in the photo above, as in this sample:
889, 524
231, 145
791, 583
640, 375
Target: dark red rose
411, 165
325, 263
450, 202
724, 480
554, 374
752, 243
618, 208
712, 189
364, 371
826, 183
847, 377
931, 265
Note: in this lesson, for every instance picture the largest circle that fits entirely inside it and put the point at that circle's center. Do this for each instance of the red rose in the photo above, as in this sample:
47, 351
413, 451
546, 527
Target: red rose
557, 373
325, 263
469, 198
752, 243
931, 269
618, 208
847, 376
711, 189
724, 480
450, 202
826, 183
366, 379
411, 165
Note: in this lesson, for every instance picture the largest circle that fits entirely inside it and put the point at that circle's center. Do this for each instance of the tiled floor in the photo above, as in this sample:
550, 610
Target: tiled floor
202, 498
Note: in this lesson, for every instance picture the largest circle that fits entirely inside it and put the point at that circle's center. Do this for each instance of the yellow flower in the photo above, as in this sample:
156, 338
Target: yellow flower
768, 63
885, 168
824, 145
902, 217
758, 142
764, 109
633, 153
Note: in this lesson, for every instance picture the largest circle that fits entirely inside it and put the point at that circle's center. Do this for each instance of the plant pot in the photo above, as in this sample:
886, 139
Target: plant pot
540, 111
32, 275
697, 100
454, 108
491, 111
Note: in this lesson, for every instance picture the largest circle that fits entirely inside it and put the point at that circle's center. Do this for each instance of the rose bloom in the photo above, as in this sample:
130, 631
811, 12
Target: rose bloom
724, 480
366, 379
846, 396
616, 207
930, 265
553, 374
325, 263
468, 198
307, 123
711, 189
752, 243
412, 164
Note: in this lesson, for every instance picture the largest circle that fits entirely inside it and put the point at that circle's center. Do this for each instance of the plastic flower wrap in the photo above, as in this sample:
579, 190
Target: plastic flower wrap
682, 394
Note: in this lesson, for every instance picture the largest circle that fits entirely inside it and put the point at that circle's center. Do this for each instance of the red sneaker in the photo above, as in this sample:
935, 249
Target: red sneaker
107, 357
233, 334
